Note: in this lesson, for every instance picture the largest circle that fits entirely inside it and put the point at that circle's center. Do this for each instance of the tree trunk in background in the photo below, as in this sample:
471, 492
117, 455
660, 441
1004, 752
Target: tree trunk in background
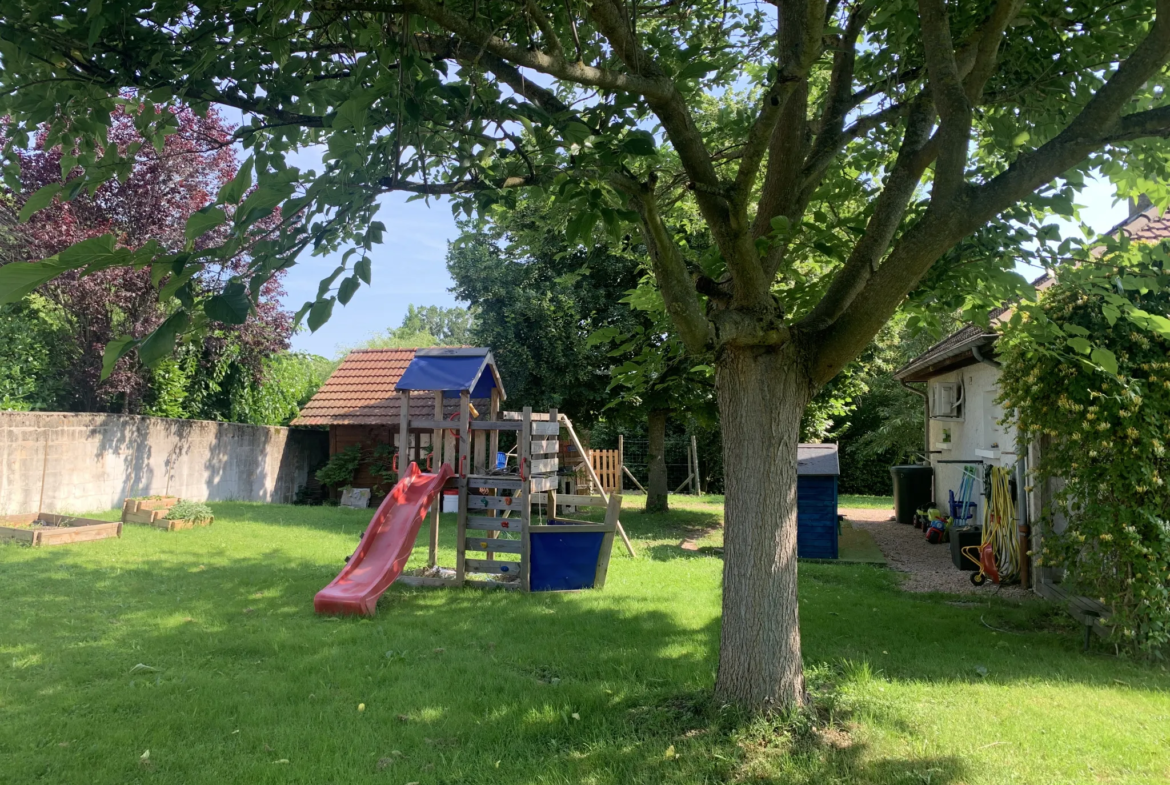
762, 395
656, 486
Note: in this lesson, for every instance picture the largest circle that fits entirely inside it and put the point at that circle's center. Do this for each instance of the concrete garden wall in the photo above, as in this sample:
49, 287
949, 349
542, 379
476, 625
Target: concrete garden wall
94, 461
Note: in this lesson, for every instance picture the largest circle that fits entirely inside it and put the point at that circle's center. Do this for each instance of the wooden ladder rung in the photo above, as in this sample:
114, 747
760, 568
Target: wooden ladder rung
498, 567
485, 545
484, 523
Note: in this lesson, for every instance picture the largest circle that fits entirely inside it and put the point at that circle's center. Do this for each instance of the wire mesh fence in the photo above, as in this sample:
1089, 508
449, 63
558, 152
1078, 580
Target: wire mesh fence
637, 459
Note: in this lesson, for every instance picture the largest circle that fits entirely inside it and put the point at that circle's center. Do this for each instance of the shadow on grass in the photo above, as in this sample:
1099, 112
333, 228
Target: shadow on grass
216, 664
676, 524
222, 670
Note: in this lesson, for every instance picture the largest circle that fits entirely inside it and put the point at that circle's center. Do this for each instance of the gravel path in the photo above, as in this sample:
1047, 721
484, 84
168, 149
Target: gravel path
928, 567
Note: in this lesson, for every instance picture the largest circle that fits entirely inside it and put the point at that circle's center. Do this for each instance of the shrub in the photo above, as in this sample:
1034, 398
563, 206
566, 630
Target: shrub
339, 470
1102, 409
189, 511
381, 465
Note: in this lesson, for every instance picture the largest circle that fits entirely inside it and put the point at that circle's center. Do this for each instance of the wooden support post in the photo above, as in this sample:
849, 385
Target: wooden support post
621, 462
695, 466
494, 435
524, 456
462, 470
493, 448
403, 431
479, 451
593, 476
436, 462
686, 481
613, 509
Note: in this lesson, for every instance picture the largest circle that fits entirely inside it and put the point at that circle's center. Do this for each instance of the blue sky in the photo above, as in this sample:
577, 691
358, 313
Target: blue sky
409, 268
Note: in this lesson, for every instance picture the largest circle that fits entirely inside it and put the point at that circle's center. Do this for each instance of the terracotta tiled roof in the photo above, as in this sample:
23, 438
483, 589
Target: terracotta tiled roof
361, 392
1148, 225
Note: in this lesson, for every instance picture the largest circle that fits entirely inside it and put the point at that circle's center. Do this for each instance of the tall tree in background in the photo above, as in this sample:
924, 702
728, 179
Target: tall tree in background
424, 326
657, 377
537, 300
448, 326
150, 204
576, 325
887, 145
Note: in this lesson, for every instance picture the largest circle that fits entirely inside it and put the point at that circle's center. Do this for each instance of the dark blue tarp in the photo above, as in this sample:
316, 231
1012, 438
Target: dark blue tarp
452, 373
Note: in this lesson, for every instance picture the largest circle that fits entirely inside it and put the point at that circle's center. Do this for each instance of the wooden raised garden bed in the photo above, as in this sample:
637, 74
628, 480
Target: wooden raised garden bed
153, 511
48, 529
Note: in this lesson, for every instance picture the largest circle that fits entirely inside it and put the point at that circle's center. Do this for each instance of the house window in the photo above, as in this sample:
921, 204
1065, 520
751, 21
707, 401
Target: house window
946, 402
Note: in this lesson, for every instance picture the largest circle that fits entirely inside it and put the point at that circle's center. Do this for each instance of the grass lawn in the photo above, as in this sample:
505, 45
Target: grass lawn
202, 648
858, 501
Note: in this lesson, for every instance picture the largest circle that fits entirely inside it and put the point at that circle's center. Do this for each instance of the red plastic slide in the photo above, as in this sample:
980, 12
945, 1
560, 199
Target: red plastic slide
385, 547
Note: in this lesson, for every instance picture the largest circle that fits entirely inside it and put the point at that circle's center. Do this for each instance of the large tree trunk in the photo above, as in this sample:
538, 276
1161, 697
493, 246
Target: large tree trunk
656, 486
762, 395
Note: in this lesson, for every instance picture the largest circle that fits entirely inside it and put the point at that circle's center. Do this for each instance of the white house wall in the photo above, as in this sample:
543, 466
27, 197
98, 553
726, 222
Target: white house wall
978, 437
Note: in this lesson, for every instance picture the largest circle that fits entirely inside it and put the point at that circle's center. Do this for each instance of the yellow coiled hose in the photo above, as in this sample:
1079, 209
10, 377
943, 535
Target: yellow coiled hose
999, 525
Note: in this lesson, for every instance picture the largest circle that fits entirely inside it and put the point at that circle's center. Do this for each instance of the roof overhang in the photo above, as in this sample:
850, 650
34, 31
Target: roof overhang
956, 357
817, 460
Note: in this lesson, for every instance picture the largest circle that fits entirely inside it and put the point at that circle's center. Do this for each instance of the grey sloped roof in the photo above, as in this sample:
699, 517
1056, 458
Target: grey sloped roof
817, 460
1146, 223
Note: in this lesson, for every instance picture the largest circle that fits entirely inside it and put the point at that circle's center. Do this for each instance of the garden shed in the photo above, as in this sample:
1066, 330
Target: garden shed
817, 469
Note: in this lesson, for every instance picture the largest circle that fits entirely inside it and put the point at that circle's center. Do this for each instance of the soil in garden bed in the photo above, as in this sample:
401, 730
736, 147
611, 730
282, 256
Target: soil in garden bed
39, 524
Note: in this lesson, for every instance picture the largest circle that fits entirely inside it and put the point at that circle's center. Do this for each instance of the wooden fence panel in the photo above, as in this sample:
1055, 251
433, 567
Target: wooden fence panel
608, 465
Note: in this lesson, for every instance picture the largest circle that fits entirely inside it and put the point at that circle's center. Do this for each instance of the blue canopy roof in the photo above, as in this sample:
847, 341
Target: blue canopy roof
452, 371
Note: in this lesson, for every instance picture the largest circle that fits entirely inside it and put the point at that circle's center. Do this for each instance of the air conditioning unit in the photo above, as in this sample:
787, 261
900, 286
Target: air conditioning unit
946, 401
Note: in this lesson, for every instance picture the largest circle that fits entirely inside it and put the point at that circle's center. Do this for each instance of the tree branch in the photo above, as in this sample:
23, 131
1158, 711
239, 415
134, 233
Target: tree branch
1098, 122
946, 88
728, 226
546, 30
986, 48
387, 184
889, 210
799, 24
940, 227
1152, 122
538, 61
771, 107
786, 185
670, 269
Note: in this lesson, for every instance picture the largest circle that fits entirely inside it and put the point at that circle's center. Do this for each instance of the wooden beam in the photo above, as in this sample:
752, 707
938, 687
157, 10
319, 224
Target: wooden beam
488, 545
612, 511
498, 425
621, 461
436, 462
633, 479
403, 431
593, 475
578, 500
523, 446
461, 469
695, 466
